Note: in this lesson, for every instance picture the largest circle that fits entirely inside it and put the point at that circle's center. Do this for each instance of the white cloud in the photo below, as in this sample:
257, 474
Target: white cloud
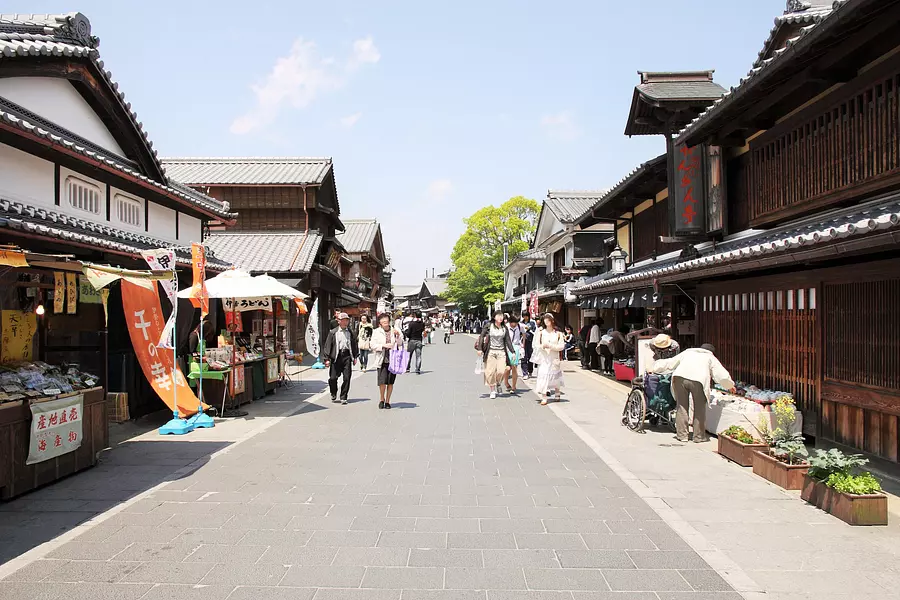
299, 78
560, 126
438, 190
350, 120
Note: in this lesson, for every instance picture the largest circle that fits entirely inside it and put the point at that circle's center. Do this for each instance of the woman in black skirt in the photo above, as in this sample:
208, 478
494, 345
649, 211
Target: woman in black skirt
384, 339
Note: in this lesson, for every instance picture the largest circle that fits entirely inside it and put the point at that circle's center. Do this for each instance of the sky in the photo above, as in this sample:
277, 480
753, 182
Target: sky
430, 110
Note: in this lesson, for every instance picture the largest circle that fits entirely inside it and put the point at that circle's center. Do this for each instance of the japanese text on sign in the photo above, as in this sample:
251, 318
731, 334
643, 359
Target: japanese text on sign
242, 304
687, 183
56, 428
18, 329
687, 172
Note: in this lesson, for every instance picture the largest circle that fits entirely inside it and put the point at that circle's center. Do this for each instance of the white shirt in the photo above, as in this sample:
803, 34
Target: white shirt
696, 364
342, 337
594, 338
397, 323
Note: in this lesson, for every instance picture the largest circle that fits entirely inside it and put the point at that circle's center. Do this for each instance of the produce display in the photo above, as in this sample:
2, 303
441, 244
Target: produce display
35, 380
751, 392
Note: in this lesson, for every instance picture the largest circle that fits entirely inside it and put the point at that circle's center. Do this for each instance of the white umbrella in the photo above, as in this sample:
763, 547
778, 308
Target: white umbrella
240, 284
278, 288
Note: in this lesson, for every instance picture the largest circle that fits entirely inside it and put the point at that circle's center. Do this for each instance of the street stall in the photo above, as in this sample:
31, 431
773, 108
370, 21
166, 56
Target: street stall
53, 404
251, 351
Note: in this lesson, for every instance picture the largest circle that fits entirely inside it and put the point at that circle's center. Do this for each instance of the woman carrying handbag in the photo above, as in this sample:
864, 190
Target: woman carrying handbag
548, 343
495, 346
385, 339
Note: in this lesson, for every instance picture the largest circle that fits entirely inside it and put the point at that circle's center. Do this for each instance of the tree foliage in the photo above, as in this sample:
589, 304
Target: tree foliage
477, 279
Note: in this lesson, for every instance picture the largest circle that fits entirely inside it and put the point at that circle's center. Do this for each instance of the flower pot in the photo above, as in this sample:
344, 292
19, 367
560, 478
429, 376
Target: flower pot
739, 452
815, 492
870, 509
790, 477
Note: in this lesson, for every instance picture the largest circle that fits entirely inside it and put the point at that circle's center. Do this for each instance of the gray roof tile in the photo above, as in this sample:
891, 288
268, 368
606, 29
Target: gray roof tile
405, 291
569, 206
531, 254
268, 251
682, 90
359, 235
248, 171
436, 286
38, 221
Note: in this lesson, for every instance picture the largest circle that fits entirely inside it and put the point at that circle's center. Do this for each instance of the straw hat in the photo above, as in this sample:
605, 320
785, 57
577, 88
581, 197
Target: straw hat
662, 341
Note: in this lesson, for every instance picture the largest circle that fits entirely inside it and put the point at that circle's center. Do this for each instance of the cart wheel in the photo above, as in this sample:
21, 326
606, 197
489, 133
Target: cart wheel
635, 411
654, 420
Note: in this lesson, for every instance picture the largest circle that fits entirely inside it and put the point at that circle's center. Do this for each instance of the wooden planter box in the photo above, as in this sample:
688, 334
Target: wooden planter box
855, 510
815, 492
739, 452
790, 477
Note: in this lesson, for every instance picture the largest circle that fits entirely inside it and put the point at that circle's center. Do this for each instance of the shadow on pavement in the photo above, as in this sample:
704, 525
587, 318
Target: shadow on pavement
126, 471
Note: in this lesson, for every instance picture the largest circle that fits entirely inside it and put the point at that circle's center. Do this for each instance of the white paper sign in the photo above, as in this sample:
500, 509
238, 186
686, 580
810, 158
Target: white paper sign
164, 260
242, 304
56, 428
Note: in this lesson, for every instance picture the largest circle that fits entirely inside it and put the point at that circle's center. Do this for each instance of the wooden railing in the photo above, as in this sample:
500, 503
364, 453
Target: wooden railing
845, 146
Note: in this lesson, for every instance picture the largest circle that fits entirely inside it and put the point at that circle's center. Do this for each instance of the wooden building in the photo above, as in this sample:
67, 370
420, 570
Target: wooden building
363, 270
793, 252
79, 178
289, 217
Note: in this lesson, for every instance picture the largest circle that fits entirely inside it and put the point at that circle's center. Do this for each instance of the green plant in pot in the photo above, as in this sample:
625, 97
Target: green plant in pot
826, 463
789, 448
856, 485
736, 432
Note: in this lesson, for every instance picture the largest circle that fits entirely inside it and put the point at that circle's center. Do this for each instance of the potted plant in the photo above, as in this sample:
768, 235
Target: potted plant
823, 465
738, 445
785, 463
857, 499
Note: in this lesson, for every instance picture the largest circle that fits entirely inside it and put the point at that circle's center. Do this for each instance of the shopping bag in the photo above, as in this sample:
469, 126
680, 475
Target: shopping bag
479, 366
513, 357
399, 361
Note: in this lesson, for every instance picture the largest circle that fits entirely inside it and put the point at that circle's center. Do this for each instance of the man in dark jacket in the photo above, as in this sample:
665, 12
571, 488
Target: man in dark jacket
583, 337
340, 352
530, 327
415, 332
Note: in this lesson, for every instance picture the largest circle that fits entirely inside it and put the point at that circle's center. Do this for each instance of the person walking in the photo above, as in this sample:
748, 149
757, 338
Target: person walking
495, 345
692, 371
530, 328
517, 337
593, 340
340, 352
570, 342
415, 331
583, 336
385, 339
364, 341
548, 343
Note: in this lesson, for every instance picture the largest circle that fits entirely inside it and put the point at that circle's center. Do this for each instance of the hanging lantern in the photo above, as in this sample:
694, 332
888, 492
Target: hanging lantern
618, 257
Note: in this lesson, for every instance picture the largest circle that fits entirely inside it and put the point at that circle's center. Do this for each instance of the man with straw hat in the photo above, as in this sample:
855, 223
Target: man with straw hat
664, 347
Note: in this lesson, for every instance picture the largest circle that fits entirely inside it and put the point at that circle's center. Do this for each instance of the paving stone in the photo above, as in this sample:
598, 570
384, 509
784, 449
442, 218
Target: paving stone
421, 578
210, 536
706, 580
356, 594
517, 559
222, 553
91, 571
667, 559
481, 541
555, 541
300, 556
479, 512
595, 559
383, 524
609, 541
512, 526
323, 577
444, 595
485, 579
317, 523
245, 574
270, 593
420, 511
91, 550
566, 579
447, 525
343, 538
530, 595
188, 592
645, 580
445, 557
403, 539
36, 571
372, 557
173, 572
269, 537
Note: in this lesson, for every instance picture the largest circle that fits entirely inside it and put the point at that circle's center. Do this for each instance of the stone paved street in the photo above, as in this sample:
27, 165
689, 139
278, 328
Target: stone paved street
448, 496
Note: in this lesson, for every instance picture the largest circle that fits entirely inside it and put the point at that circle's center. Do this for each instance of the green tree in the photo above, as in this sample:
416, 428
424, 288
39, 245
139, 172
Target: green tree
477, 257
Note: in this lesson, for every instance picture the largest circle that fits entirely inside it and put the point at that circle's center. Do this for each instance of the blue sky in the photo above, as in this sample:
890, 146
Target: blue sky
430, 110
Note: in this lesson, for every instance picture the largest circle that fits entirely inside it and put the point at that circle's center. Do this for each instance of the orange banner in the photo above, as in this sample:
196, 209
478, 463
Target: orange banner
199, 297
144, 315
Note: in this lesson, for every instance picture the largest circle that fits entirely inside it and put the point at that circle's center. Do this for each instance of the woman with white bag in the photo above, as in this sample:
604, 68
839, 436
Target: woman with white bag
548, 343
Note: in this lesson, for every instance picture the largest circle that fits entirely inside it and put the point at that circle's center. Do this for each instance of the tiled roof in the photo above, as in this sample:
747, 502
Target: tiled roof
268, 251
877, 216
405, 291
359, 235
531, 254
818, 16
248, 171
436, 286
801, 16
569, 206
46, 223
681, 90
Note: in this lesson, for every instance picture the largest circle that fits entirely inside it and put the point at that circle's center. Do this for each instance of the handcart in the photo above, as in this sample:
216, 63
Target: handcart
650, 399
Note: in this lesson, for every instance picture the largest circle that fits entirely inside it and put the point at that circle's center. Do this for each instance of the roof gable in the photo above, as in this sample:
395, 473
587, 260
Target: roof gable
360, 235
248, 170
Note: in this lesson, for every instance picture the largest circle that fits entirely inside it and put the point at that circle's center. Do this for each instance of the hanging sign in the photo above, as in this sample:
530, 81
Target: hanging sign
164, 260
233, 322
71, 293
312, 330
687, 207
18, 329
242, 304
199, 296
272, 369
59, 292
86, 292
143, 315
715, 221
99, 279
56, 428
104, 299
534, 307
13, 258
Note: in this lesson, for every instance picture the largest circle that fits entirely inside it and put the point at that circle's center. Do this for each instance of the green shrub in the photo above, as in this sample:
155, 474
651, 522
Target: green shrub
790, 449
828, 462
736, 432
857, 485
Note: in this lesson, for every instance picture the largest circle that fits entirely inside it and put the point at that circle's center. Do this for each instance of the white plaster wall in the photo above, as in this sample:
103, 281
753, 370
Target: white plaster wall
26, 178
55, 99
189, 229
162, 222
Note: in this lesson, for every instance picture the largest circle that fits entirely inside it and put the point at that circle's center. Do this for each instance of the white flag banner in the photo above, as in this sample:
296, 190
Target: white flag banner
524, 303
312, 330
164, 260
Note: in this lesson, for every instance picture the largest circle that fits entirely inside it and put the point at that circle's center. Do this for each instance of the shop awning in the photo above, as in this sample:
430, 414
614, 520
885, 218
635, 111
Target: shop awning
643, 298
